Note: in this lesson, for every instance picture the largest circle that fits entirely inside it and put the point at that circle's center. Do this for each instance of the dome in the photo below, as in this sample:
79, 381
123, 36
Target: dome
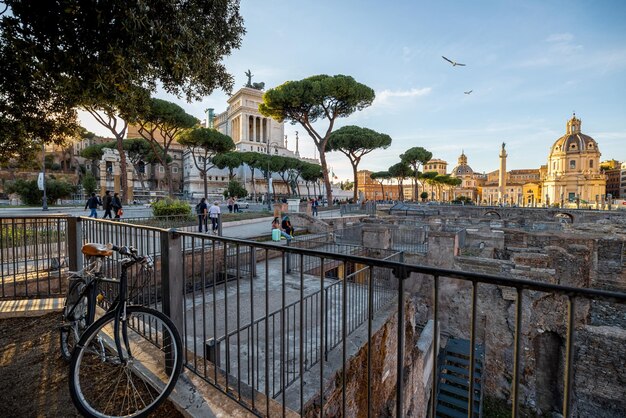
574, 142
462, 169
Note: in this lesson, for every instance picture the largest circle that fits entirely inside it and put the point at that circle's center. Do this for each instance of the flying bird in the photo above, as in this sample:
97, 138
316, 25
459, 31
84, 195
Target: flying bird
468, 92
454, 64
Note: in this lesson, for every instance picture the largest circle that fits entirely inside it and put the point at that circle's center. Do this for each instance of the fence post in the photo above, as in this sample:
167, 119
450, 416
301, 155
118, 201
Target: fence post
172, 277
74, 243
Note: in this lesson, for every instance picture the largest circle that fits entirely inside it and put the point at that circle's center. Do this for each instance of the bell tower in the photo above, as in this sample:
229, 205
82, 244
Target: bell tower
573, 125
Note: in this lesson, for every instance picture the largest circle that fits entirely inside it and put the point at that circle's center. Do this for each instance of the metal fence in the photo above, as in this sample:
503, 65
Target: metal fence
33, 256
282, 341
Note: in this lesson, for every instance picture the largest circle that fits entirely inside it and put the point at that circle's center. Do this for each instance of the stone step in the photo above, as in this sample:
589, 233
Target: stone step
444, 411
457, 391
459, 370
459, 403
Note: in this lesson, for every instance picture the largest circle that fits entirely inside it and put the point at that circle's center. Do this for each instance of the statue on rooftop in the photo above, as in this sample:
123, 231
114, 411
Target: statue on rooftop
250, 84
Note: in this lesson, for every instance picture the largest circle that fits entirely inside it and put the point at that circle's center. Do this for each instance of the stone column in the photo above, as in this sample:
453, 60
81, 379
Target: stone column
502, 175
254, 128
103, 177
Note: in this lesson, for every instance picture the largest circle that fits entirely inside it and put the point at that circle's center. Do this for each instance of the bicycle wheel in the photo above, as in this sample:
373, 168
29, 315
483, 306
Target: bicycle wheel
77, 315
103, 385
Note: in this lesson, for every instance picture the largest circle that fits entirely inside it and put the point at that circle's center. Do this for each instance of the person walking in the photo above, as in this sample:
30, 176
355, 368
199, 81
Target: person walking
314, 205
92, 204
230, 203
277, 226
202, 211
214, 214
116, 205
106, 205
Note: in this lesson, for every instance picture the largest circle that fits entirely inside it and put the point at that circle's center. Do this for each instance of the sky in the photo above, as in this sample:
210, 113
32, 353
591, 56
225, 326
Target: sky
529, 64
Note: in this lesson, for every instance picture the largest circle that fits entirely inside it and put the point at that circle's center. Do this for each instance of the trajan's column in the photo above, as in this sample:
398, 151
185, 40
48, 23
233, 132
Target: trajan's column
502, 176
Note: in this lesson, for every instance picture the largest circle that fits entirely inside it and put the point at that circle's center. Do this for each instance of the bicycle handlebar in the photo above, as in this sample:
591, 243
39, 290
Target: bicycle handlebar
132, 253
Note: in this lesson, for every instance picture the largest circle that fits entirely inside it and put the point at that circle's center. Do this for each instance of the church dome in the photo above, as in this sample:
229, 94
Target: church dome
574, 142
462, 169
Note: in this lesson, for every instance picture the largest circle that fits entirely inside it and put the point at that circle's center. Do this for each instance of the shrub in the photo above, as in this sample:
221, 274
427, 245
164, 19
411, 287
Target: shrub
235, 189
171, 207
31, 195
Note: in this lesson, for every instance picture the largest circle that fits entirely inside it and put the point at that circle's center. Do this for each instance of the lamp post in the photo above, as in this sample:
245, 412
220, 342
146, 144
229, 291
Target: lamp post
43, 177
269, 203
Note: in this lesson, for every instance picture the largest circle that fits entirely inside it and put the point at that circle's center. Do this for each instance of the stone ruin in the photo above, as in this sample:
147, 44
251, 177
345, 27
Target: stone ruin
590, 254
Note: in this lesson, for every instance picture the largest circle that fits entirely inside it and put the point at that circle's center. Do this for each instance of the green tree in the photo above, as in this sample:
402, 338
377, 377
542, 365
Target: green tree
310, 173
31, 195
253, 160
415, 157
428, 177
53, 52
355, 142
161, 124
235, 189
381, 176
315, 98
230, 160
205, 144
89, 184
400, 171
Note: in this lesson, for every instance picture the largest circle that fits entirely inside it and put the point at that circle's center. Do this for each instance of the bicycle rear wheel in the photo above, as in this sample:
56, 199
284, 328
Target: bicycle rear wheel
78, 313
103, 385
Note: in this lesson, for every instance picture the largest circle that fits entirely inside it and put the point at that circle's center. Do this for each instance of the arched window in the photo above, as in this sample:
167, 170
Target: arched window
590, 163
572, 164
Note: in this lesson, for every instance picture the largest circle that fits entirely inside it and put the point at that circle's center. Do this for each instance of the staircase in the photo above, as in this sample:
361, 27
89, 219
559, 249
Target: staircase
453, 383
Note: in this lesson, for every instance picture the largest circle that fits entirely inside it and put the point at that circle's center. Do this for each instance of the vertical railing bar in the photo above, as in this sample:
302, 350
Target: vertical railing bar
472, 361
400, 353
193, 296
37, 259
252, 355
216, 364
25, 256
282, 333
344, 337
238, 319
517, 353
322, 339
267, 337
370, 318
226, 330
433, 395
569, 355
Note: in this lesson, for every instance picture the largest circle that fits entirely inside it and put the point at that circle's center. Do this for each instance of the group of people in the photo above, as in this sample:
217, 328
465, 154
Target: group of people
205, 213
232, 205
285, 228
112, 205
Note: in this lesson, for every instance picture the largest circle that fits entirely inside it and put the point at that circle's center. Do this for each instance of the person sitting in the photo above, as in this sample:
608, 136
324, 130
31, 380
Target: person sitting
276, 225
286, 225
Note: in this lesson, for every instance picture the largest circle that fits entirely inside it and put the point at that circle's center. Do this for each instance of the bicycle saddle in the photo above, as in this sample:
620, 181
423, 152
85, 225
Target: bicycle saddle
97, 250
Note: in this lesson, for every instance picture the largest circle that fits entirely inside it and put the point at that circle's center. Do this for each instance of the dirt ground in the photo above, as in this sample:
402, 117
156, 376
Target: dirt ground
33, 376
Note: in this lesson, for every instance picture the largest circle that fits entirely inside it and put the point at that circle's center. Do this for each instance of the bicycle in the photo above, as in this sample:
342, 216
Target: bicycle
127, 362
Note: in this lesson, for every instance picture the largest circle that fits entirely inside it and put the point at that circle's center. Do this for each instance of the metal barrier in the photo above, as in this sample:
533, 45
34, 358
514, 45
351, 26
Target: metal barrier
280, 339
33, 256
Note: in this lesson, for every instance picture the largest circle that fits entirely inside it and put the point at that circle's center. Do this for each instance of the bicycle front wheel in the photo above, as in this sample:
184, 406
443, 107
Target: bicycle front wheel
106, 383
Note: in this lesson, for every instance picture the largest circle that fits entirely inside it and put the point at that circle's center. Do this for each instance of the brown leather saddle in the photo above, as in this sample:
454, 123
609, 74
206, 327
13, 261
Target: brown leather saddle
96, 250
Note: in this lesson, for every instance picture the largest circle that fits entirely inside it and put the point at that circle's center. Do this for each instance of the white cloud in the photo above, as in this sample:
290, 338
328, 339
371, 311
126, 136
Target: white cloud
386, 97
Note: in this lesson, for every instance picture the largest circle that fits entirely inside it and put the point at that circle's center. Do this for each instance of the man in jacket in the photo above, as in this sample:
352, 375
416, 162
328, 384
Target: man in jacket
106, 204
92, 204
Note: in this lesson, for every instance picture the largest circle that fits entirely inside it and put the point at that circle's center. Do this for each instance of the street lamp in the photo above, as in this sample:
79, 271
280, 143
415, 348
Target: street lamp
269, 203
43, 177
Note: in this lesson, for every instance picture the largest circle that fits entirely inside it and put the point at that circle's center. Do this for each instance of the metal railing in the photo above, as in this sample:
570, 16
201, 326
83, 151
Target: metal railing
231, 290
33, 256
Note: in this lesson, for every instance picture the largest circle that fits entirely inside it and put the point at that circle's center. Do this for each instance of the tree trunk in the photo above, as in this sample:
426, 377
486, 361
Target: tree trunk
329, 191
355, 194
205, 173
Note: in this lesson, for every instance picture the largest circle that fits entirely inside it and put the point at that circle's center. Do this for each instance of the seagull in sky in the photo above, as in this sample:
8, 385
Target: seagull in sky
468, 92
454, 64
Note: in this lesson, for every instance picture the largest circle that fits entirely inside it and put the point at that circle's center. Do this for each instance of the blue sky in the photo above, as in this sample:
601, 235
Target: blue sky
530, 64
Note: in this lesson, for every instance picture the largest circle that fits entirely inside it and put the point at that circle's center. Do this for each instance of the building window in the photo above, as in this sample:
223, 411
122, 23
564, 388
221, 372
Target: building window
174, 169
161, 169
572, 164
590, 163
